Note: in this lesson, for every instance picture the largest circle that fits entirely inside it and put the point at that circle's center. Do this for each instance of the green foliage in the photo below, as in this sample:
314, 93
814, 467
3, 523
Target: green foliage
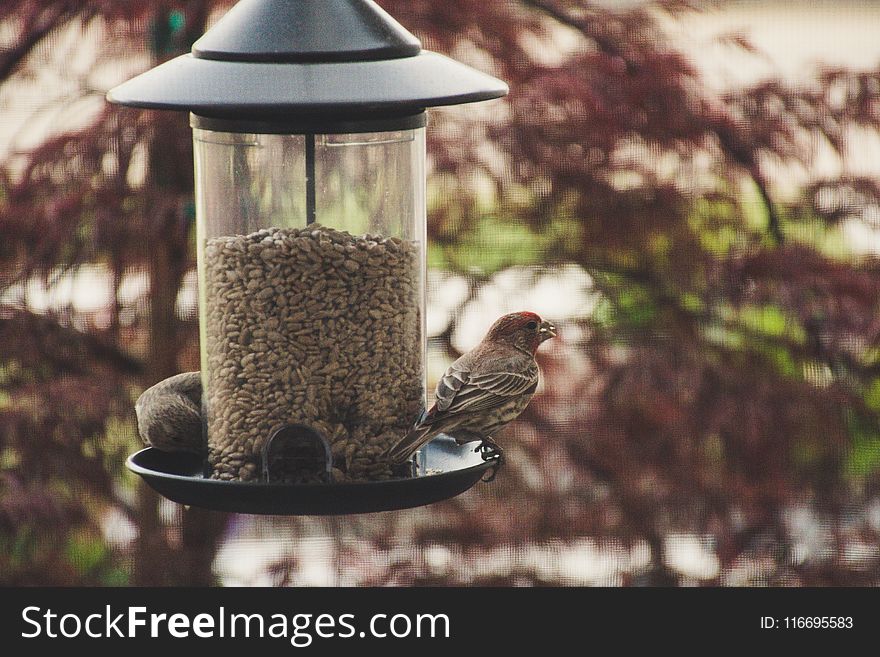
863, 458
495, 241
86, 553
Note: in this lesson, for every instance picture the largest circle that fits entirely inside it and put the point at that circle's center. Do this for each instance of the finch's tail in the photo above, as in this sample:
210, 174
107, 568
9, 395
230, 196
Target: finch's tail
406, 446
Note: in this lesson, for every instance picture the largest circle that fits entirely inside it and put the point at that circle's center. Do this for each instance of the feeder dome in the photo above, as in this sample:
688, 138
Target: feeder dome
277, 59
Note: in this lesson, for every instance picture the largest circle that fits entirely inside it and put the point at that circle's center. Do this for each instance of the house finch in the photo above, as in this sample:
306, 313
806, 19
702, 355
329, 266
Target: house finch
484, 389
169, 414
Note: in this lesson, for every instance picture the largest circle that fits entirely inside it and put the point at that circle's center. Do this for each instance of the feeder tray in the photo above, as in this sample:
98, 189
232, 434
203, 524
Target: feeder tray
445, 469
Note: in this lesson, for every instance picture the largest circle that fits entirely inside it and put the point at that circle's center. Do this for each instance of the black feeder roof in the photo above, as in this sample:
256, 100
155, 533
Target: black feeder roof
272, 59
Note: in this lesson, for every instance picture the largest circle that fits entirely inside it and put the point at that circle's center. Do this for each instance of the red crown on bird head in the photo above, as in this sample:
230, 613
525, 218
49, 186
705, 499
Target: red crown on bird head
525, 330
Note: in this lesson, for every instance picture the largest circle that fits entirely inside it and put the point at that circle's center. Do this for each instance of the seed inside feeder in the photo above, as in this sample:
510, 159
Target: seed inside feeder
316, 327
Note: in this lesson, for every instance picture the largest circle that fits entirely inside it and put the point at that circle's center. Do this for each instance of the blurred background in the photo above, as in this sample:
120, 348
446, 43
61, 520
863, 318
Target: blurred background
691, 191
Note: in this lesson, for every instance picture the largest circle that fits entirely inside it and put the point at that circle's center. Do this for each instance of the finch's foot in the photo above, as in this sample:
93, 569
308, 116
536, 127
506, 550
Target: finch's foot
491, 451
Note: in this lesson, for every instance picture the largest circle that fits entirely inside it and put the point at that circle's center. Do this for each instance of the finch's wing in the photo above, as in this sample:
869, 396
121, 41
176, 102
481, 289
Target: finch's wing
463, 391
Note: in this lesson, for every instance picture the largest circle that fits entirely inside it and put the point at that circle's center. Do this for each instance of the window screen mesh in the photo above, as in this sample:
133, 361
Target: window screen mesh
690, 194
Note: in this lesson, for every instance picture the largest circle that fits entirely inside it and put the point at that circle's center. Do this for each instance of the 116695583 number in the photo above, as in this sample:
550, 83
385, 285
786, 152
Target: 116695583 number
807, 622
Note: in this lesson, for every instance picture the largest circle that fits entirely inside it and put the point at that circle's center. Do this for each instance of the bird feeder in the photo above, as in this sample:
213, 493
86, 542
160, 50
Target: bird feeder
308, 122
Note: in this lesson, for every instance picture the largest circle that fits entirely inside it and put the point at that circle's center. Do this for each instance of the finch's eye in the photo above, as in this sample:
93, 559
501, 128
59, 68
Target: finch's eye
532, 325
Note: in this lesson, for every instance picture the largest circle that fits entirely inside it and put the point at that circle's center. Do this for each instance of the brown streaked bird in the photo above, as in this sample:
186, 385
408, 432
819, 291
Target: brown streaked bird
485, 388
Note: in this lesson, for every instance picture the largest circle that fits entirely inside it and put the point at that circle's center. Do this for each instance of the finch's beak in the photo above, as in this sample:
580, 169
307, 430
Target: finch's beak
547, 330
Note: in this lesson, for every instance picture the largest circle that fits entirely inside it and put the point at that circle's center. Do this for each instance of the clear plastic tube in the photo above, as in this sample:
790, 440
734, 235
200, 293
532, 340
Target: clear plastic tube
311, 255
